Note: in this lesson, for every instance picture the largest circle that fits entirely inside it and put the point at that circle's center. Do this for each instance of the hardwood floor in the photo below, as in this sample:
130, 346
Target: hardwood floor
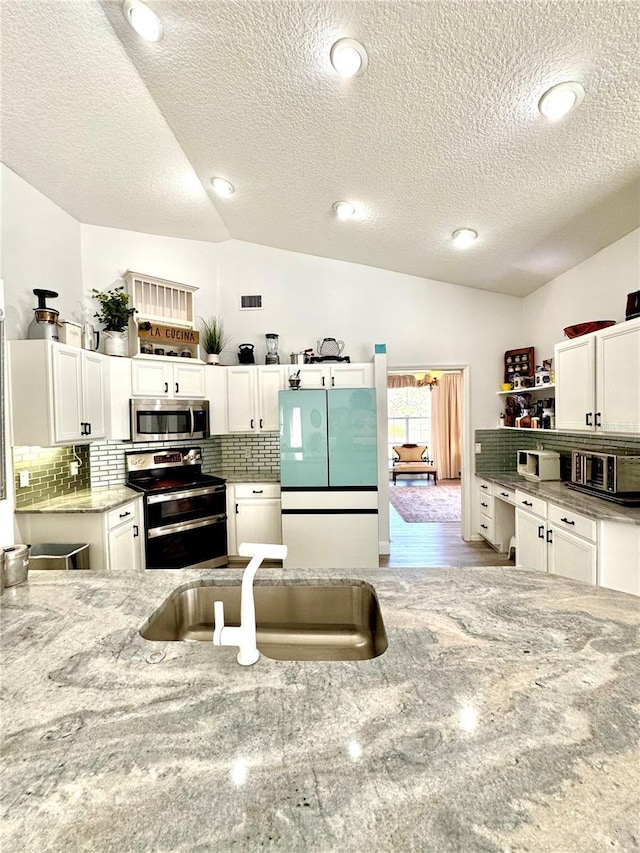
435, 544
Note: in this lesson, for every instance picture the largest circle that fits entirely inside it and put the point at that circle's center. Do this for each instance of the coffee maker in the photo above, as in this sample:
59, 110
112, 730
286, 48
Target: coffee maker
272, 356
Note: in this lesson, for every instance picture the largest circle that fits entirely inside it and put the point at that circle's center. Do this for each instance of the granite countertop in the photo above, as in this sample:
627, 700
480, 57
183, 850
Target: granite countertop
504, 716
89, 500
561, 495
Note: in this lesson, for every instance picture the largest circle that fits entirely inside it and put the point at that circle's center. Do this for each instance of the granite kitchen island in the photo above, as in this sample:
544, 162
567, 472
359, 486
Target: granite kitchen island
502, 717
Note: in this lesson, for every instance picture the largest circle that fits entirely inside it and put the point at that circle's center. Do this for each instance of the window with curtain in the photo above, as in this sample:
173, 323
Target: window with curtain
409, 413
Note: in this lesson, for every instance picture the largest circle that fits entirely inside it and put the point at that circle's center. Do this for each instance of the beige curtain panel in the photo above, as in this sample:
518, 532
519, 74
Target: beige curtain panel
446, 425
401, 380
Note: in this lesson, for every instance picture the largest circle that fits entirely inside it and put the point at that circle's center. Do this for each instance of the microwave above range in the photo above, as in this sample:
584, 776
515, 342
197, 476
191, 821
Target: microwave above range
166, 420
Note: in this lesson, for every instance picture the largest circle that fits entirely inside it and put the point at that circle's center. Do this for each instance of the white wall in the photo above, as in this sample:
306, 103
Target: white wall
596, 289
40, 248
423, 322
107, 253
7, 505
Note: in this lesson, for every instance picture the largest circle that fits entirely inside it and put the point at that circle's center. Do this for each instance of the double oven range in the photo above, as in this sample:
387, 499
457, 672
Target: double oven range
185, 511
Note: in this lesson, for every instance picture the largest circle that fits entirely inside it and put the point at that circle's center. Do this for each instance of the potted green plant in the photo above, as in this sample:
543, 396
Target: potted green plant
114, 314
213, 338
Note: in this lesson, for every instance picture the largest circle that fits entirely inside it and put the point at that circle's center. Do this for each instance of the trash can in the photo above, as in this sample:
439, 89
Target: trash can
16, 564
60, 556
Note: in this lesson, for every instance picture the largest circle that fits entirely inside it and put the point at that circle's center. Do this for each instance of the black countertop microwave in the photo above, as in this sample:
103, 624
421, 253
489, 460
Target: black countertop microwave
165, 420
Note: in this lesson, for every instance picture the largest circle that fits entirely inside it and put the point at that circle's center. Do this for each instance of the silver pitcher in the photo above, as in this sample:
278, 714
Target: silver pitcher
90, 338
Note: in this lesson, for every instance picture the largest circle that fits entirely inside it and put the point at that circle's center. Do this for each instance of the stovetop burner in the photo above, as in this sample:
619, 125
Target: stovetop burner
167, 470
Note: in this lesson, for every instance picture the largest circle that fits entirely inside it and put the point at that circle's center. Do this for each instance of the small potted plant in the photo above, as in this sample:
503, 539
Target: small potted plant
114, 314
213, 338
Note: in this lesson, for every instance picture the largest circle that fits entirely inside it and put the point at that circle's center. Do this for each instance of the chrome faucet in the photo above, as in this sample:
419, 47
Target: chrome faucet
245, 636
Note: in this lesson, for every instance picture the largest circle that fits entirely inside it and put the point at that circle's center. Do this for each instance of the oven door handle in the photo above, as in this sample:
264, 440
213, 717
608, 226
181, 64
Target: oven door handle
192, 420
182, 526
187, 493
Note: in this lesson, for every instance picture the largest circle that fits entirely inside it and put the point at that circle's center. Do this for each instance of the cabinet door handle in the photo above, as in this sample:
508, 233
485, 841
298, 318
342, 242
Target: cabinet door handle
124, 514
177, 387
251, 423
587, 418
257, 491
88, 429
260, 423
598, 421
136, 531
333, 381
550, 537
237, 510
566, 521
541, 531
527, 503
166, 387
83, 427
323, 381
482, 503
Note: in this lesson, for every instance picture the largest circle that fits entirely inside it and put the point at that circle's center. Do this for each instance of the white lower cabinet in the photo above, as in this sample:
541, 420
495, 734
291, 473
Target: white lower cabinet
115, 537
253, 511
496, 520
555, 540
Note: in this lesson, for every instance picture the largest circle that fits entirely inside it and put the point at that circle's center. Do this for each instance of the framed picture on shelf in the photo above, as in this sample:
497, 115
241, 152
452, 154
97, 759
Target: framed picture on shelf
519, 362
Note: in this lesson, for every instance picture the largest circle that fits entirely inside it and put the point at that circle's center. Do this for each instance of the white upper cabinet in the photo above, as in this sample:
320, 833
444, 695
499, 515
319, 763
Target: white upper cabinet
59, 393
343, 375
252, 397
598, 381
169, 379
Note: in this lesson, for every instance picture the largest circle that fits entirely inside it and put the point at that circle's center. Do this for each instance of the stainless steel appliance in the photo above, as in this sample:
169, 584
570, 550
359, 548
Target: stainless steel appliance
185, 511
164, 420
16, 564
44, 325
607, 475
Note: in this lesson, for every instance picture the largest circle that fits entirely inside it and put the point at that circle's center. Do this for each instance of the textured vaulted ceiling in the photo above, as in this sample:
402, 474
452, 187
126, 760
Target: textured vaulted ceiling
441, 132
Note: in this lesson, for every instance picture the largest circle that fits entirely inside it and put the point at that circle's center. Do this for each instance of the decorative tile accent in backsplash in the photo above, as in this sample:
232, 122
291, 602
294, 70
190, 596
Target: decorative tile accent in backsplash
49, 472
500, 446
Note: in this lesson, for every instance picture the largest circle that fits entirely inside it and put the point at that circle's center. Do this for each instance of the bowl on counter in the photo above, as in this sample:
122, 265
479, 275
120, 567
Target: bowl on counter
584, 328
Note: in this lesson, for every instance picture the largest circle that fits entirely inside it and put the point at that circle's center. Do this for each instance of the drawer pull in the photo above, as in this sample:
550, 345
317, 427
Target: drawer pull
124, 514
482, 503
257, 491
504, 494
541, 531
527, 503
484, 526
566, 521
484, 487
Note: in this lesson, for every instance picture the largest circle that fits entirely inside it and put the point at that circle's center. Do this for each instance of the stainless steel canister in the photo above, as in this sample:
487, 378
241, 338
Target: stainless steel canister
16, 564
297, 358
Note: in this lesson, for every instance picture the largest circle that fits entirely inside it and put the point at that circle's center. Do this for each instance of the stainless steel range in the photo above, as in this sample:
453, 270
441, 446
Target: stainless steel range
185, 510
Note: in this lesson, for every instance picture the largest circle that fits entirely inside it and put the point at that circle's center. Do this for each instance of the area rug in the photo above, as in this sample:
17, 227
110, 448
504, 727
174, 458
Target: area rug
426, 503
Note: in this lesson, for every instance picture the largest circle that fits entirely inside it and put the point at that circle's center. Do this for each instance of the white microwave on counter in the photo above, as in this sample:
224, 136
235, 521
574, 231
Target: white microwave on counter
537, 465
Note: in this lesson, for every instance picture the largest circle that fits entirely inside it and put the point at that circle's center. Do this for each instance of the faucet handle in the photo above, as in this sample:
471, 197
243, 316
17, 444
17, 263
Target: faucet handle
218, 622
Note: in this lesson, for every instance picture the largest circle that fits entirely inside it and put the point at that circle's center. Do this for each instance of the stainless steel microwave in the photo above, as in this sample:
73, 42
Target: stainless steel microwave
164, 420
605, 472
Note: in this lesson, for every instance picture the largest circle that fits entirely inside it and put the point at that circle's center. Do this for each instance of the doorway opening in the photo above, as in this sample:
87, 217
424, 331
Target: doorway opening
426, 459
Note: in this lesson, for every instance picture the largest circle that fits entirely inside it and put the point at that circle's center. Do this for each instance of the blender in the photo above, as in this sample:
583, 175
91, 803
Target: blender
272, 349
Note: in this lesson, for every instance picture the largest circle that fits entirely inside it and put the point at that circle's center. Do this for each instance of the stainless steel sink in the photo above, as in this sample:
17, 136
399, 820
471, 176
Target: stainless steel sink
301, 621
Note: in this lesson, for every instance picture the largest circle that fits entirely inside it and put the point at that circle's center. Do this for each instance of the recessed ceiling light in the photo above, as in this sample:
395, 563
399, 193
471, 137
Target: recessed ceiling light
560, 100
464, 237
222, 187
143, 20
348, 57
344, 210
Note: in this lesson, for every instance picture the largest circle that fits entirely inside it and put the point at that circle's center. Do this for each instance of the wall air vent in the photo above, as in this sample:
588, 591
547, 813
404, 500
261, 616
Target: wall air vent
251, 302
